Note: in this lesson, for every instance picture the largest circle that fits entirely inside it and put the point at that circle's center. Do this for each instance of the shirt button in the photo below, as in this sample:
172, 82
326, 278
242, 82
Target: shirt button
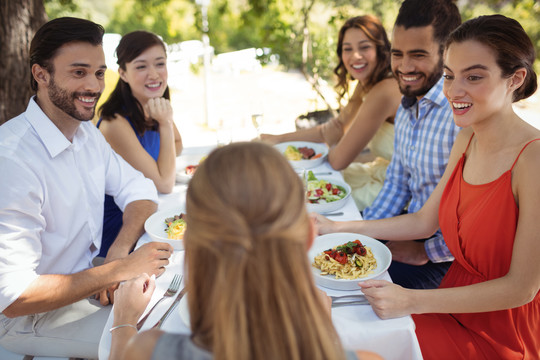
412, 147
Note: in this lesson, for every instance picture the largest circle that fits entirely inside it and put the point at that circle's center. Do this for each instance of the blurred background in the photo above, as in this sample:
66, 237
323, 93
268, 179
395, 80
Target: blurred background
229, 59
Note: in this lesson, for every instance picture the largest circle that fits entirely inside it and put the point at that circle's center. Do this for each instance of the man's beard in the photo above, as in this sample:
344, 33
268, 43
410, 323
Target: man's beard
431, 80
65, 101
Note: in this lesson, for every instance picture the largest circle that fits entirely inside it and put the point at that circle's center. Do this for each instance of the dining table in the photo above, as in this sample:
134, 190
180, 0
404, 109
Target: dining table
358, 326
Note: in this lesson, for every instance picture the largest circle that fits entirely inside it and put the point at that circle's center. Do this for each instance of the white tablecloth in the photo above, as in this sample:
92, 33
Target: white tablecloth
358, 326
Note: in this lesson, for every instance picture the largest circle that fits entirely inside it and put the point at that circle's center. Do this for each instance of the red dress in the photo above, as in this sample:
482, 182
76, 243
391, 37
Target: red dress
479, 224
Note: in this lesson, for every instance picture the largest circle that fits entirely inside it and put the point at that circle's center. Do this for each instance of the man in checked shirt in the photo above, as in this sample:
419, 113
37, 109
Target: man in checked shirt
424, 135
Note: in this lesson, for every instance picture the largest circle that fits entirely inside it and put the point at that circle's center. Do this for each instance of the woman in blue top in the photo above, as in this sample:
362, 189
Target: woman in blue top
137, 120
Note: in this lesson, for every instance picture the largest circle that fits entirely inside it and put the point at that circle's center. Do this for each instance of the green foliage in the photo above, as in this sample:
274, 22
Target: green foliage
174, 20
96, 10
274, 24
527, 12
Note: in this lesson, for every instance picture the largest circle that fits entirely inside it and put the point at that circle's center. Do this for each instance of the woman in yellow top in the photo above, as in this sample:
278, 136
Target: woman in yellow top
364, 55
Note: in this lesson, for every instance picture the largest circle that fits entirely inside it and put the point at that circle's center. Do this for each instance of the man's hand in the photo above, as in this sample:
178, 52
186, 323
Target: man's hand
408, 252
150, 258
106, 296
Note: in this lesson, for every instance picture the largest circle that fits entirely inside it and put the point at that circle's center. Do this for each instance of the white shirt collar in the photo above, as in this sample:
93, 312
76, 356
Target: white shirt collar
53, 139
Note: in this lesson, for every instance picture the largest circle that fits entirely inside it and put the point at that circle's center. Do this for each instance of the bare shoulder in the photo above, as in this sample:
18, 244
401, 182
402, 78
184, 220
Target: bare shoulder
118, 123
462, 139
367, 355
141, 346
388, 88
384, 97
530, 157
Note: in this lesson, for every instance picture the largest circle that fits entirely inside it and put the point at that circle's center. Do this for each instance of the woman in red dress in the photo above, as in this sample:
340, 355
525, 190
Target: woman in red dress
487, 206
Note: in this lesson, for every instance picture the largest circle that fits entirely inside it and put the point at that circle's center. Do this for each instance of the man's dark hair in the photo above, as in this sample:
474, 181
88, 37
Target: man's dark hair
55, 33
443, 15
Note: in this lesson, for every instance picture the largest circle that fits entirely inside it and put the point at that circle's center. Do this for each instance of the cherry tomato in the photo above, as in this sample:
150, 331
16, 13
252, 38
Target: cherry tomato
341, 258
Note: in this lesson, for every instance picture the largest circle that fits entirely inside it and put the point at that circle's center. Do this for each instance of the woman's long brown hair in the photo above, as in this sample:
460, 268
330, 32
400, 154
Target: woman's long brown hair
250, 288
372, 27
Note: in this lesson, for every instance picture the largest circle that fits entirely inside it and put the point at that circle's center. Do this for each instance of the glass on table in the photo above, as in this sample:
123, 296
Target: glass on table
257, 121
223, 134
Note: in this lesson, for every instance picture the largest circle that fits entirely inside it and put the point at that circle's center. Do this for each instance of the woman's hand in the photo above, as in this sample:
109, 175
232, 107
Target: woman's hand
159, 109
269, 139
323, 224
387, 299
131, 298
325, 300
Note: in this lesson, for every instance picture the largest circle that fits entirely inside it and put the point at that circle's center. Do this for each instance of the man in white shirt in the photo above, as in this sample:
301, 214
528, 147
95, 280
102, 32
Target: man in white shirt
56, 168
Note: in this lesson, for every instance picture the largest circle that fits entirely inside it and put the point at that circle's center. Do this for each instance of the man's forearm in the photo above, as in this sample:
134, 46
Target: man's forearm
50, 292
135, 214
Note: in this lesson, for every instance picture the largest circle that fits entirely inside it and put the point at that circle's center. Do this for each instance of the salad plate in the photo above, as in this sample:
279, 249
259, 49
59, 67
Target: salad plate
326, 194
303, 154
381, 253
156, 227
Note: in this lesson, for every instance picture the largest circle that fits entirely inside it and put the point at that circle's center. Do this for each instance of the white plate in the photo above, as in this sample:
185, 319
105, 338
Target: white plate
305, 164
185, 160
155, 226
183, 309
324, 242
334, 205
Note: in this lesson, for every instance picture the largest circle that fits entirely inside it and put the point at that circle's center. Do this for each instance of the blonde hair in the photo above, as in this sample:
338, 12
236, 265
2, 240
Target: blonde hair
250, 287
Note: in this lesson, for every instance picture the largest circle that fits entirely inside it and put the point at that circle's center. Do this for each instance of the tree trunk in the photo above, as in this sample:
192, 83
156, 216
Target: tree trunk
19, 20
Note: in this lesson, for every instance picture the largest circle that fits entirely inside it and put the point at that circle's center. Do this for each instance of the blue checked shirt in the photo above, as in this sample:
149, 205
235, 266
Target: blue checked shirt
421, 149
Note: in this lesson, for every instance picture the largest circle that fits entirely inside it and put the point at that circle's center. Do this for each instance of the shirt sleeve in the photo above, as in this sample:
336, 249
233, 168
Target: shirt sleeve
436, 249
21, 224
394, 194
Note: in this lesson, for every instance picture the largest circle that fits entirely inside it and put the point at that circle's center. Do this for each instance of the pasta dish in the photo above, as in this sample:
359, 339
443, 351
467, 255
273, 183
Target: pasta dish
176, 226
348, 261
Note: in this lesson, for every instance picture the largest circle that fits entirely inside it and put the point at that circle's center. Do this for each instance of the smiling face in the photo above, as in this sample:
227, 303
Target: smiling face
416, 61
359, 54
473, 83
147, 74
76, 80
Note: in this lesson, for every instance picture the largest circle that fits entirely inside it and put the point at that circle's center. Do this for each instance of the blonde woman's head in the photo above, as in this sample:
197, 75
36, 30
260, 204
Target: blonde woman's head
250, 288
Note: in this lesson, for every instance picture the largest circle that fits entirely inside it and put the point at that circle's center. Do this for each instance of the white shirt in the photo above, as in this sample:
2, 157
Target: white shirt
51, 198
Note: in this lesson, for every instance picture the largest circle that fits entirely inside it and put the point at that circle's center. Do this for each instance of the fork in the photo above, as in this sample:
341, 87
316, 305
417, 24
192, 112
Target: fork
348, 300
350, 303
173, 289
351, 296
339, 213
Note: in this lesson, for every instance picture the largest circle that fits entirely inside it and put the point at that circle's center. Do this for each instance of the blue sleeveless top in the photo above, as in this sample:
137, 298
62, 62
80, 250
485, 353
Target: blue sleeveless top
112, 216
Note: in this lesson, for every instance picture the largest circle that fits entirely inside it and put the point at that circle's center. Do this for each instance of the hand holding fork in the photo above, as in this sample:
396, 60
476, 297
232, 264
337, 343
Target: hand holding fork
172, 290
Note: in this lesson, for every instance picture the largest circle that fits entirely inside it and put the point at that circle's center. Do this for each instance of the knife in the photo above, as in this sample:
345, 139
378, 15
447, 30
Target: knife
170, 309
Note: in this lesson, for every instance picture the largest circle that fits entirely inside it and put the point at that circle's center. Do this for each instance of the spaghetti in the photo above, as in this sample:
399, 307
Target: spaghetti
348, 261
